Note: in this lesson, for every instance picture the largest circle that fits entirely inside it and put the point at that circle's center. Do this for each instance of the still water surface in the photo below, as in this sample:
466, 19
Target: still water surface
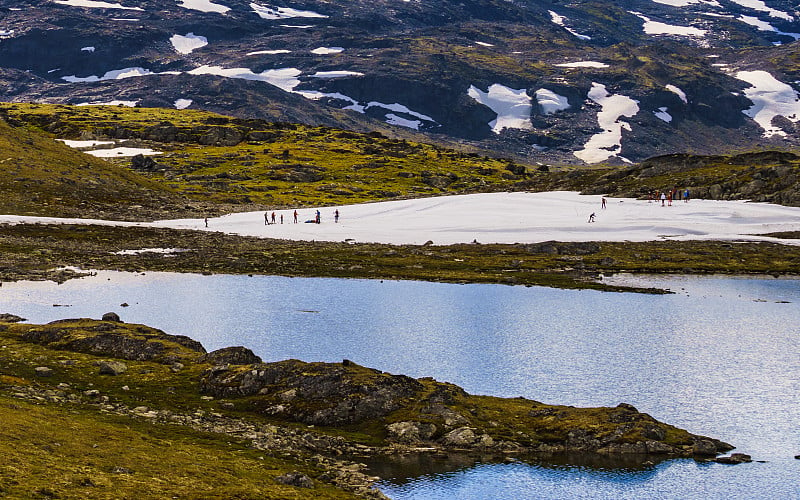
719, 357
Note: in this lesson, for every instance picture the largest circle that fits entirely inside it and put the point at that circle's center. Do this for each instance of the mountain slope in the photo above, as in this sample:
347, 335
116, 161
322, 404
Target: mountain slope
576, 83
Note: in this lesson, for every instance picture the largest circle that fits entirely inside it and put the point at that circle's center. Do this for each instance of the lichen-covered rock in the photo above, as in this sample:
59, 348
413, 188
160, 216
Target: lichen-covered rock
295, 479
10, 318
111, 316
323, 393
116, 340
410, 432
112, 367
231, 356
463, 437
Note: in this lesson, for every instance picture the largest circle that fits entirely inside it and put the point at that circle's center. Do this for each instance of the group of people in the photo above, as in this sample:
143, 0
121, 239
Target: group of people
271, 218
666, 197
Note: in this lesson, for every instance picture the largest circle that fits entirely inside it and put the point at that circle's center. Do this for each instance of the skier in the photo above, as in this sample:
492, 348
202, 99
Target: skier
295, 216
591, 217
266, 218
336, 215
603, 203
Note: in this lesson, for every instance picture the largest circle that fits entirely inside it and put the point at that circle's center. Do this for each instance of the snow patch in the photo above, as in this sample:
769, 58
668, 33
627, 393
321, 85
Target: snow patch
398, 108
185, 44
686, 3
760, 6
550, 102
512, 106
273, 13
87, 49
770, 98
327, 50
117, 74
680, 93
269, 52
657, 28
662, 114
204, 6
393, 119
335, 74
122, 152
92, 4
583, 64
484, 44
129, 104
283, 78
765, 26
84, 144
559, 20
182, 103
607, 143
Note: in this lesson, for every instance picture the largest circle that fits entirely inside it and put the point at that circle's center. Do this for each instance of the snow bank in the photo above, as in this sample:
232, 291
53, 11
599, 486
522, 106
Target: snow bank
771, 98
503, 218
122, 152
559, 20
680, 93
550, 102
92, 4
512, 106
657, 28
185, 44
283, 78
204, 6
273, 13
583, 64
607, 143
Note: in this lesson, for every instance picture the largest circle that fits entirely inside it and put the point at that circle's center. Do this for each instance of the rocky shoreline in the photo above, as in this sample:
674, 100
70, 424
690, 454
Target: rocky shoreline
313, 412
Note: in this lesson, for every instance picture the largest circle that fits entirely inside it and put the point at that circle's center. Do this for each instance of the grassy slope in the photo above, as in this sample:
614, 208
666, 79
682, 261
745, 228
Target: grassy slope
41, 176
274, 164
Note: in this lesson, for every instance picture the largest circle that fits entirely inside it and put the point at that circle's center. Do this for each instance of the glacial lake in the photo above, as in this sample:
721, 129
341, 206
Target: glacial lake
719, 357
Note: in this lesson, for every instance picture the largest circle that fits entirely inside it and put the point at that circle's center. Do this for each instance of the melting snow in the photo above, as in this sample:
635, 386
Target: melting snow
680, 93
583, 64
282, 12
182, 103
129, 104
269, 52
87, 49
122, 152
765, 26
335, 74
204, 6
398, 108
686, 3
760, 6
550, 102
770, 98
185, 44
663, 115
327, 50
657, 28
503, 218
117, 74
513, 106
393, 119
559, 20
484, 44
607, 143
84, 144
301, 27
283, 78
92, 4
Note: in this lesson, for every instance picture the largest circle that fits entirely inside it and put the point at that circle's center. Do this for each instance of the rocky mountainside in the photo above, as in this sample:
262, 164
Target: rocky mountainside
557, 82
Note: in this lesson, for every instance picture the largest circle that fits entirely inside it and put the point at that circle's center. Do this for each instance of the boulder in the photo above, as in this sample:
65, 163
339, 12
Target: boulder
10, 318
112, 367
410, 432
461, 437
237, 355
43, 371
111, 316
734, 458
295, 479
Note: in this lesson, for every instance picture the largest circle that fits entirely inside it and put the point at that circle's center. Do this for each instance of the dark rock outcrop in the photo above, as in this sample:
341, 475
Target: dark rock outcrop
231, 356
314, 393
117, 340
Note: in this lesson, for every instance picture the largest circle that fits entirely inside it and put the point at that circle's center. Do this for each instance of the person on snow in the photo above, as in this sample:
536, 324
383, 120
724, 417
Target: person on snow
591, 217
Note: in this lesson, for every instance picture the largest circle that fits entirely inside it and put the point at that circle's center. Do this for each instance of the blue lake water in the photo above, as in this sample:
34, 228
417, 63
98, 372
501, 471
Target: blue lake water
719, 357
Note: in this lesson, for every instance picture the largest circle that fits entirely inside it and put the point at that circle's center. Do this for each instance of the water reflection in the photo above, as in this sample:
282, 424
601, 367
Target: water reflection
718, 357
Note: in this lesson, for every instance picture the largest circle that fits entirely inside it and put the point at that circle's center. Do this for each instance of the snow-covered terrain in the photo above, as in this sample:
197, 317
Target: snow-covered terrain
504, 218
771, 98
185, 44
607, 143
512, 106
